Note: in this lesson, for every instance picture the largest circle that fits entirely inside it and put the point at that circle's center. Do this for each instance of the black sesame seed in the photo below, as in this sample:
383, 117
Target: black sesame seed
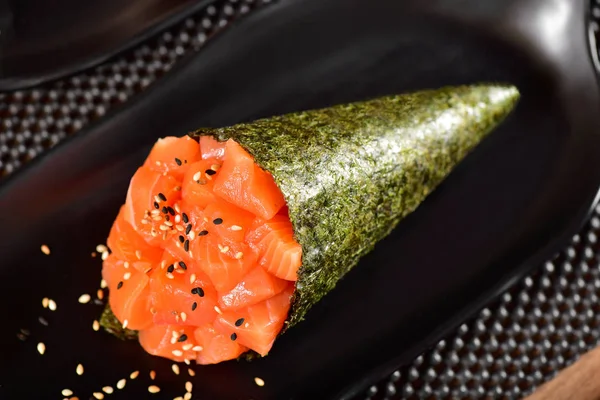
186, 245
188, 229
182, 338
181, 238
185, 218
178, 161
21, 337
171, 268
218, 221
199, 291
162, 197
239, 322
167, 218
233, 336
202, 233
120, 285
182, 265
171, 211
194, 305
195, 290
165, 210
210, 172
156, 205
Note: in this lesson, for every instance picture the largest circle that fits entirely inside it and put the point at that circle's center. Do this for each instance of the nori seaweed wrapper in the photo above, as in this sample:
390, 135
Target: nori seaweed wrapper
349, 173
112, 325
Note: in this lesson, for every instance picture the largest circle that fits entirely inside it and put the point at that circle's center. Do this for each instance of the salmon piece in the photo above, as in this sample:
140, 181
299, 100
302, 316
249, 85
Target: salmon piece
256, 286
259, 324
274, 244
144, 198
216, 346
233, 222
246, 185
128, 245
225, 262
173, 155
198, 182
171, 299
169, 341
211, 148
129, 294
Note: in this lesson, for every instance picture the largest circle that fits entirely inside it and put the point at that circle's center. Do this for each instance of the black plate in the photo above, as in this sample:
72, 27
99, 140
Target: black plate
506, 208
42, 40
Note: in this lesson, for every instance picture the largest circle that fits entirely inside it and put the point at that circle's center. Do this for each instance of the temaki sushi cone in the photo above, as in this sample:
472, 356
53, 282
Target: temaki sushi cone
345, 175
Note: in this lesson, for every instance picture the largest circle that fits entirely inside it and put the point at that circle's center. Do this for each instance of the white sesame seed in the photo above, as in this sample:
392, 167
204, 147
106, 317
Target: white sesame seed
186, 361
197, 348
175, 334
220, 246
225, 249
173, 340
152, 374
156, 198
218, 310
183, 316
107, 389
98, 395
187, 347
215, 167
197, 176
177, 353
84, 298
180, 271
67, 392
145, 221
176, 207
175, 369
168, 223
126, 264
187, 396
52, 305
208, 177
126, 275
101, 248
96, 326
138, 254
178, 398
192, 235
180, 228
259, 382
236, 228
188, 386
239, 255
191, 372
157, 218
125, 323
79, 369
121, 383
45, 302
170, 276
45, 249
192, 278
100, 294
153, 389
247, 325
177, 219
177, 317
164, 228
104, 256
103, 284
155, 212
134, 374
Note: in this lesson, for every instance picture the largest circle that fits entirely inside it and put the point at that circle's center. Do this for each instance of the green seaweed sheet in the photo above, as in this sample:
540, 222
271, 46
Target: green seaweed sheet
350, 173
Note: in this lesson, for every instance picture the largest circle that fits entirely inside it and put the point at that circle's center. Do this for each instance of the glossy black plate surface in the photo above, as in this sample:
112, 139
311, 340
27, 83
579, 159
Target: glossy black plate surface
42, 40
504, 210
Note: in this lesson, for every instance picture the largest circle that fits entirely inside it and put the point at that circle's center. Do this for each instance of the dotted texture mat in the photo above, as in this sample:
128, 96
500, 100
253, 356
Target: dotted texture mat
520, 341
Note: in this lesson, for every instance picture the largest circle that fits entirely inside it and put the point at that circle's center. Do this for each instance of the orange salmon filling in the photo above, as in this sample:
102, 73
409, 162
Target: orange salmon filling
203, 256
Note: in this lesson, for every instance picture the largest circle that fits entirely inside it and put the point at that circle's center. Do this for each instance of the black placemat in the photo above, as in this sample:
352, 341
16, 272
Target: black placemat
521, 340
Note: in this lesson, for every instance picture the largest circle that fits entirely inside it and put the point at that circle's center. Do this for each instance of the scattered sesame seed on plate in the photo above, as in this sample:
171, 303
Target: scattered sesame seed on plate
93, 254
101, 248
104, 257
67, 392
134, 374
121, 383
153, 389
191, 372
187, 396
107, 389
52, 305
259, 382
41, 348
96, 325
79, 369
188, 386
103, 284
186, 361
177, 353
178, 398
84, 298
45, 302
45, 249
175, 369
152, 374
98, 395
